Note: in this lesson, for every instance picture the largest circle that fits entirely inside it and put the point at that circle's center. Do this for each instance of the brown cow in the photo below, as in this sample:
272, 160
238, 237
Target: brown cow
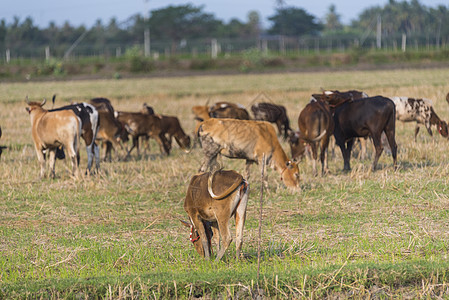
171, 127
51, 130
228, 110
249, 140
272, 113
316, 126
110, 131
211, 201
138, 124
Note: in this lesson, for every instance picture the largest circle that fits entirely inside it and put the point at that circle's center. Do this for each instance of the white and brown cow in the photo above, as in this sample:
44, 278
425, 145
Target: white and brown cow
249, 140
419, 110
51, 130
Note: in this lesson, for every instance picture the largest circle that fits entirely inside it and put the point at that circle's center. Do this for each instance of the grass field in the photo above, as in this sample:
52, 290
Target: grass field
117, 234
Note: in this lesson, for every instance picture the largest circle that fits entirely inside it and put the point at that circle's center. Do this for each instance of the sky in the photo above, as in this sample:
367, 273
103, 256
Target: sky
87, 12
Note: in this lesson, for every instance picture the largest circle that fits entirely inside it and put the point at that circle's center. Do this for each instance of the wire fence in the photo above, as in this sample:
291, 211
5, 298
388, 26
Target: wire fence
278, 45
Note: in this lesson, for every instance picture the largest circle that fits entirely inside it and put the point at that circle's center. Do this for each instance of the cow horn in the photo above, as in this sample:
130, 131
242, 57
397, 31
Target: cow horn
320, 136
225, 193
27, 100
53, 100
43, 102
185, 223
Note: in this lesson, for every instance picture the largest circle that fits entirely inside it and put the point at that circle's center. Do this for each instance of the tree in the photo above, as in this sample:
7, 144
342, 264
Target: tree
293, 21
182, 22
333, 20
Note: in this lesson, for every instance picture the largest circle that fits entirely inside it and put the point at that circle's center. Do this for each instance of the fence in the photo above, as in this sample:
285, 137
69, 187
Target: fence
278, 45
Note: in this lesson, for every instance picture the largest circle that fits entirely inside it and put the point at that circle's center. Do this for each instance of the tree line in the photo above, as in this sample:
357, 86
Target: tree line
175, 24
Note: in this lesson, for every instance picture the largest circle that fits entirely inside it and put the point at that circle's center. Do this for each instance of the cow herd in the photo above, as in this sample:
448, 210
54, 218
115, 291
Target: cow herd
226, 129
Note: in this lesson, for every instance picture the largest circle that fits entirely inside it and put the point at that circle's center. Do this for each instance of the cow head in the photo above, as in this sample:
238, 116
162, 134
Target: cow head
195, 238
297, 145
290, 174
442, 128
34, 105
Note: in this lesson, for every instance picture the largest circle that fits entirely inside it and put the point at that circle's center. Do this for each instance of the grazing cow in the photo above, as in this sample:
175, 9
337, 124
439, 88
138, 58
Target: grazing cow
171, 127
1, 147
365, 117
111, 132
249, 140
335, 98
88, 116
51, 130
228, 110
138, 124
211, 201
420, 111
315, 127
272, 113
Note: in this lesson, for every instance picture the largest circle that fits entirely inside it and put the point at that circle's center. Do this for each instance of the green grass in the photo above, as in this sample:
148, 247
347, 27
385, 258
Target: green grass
117, 234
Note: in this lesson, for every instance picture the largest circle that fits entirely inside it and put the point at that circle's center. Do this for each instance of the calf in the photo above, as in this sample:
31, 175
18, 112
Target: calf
362, 118
138, 124
211, 201
315, 127
420, 111
171, 127
111, 132
272, 113
51, 130
249, 140
228, 110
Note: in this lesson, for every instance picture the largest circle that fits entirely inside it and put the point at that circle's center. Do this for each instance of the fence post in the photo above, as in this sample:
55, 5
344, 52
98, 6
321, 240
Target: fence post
404, 42
47, 53
8, 56
214, 48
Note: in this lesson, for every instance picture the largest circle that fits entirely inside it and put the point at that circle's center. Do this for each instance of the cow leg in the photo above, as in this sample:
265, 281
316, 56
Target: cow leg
314, 157
226, 239
416, 131
51, 162
429, 129
378, 147
135, 143
41, 159
90, 157
163, 143
346, 152
323, 154
393, 147
240, 217
97, 156
72, 150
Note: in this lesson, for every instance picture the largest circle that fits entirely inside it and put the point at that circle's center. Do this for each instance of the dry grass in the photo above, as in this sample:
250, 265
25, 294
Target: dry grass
123, 221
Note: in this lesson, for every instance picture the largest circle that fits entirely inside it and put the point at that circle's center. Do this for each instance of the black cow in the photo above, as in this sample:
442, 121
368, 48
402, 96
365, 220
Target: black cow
362, 118
272, 113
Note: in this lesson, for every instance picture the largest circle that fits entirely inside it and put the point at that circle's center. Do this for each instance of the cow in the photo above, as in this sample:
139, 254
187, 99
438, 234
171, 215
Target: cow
420, 111
316, 126
138, 124
272, 113
365, 117
228, 110
211, 201
1, 147
249, 140
51, 130
88, 116
111, 132
171, 127
335, 97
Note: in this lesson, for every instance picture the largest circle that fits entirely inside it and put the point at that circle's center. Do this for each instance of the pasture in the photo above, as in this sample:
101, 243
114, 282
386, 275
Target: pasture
117, 234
